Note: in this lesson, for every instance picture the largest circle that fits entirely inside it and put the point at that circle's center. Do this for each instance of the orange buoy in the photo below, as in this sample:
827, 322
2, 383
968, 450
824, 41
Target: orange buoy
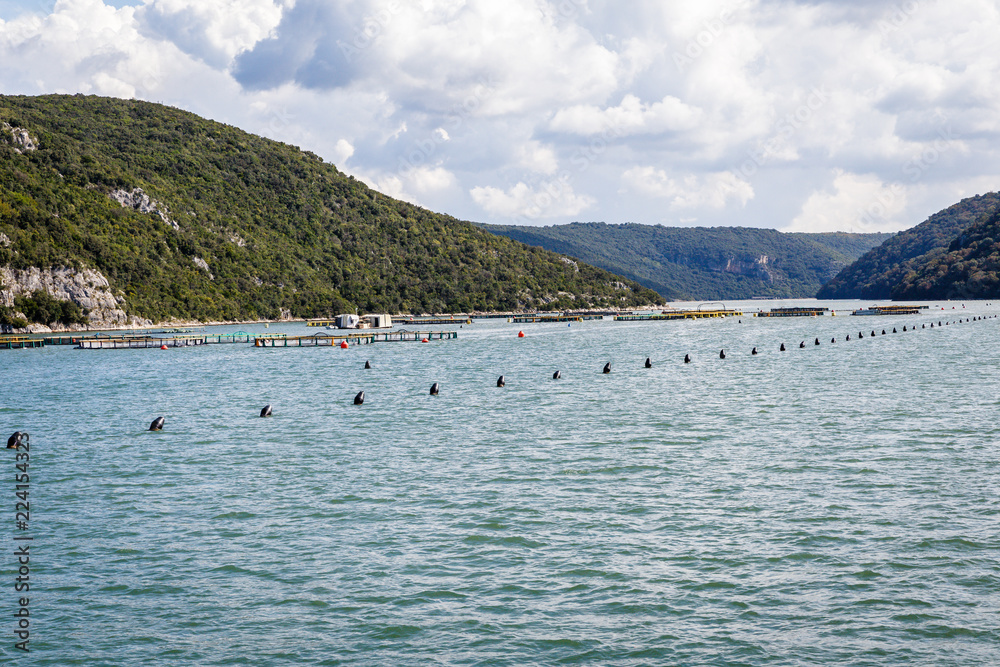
163, 347
424, 340
343, 345
520, 334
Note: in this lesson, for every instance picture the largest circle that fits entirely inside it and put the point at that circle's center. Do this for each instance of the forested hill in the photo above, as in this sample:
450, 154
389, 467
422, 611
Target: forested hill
193, 219
968, 269
705, 263
876, 273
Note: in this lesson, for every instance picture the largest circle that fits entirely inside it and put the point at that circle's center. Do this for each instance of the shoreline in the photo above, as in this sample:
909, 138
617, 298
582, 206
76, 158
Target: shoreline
36, 329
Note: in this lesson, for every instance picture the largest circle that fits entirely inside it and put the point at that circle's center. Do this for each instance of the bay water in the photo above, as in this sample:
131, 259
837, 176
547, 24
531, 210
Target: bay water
832, 504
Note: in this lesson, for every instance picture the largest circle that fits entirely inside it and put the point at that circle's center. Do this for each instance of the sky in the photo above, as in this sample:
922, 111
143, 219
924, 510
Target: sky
797, 115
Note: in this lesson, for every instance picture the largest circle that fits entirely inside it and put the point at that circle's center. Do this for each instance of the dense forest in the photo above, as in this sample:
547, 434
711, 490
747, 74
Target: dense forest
232, 226
967, 270
705, 263
877, 273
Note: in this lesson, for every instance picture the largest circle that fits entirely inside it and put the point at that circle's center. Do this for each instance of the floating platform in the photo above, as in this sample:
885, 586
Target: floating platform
62, 340
464, 319
104, 342
536, 319
794, 312
20, 342
367, 338
597, 315
680, 315
135, 343
889, 310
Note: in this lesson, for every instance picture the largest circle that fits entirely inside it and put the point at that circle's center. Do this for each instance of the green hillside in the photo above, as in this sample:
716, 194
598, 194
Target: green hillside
249, 226
704, 263
967, 270
876, 273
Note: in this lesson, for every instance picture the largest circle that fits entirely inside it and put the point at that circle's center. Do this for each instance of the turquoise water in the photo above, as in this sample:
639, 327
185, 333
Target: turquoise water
836, 504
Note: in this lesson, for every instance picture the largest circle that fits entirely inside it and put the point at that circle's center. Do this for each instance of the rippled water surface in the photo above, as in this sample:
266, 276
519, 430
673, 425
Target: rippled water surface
835, 504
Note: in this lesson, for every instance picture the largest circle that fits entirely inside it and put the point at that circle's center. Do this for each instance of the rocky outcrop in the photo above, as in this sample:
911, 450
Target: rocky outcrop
87, 288
20, 137
138, 200
203, 265
753, 268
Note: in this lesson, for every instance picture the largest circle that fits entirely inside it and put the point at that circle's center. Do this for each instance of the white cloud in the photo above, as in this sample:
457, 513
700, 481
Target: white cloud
427, 179
434, 98
858, 202
538, 158
342, 152
214, 31
711, 191
417, 185
632, 116
550, 199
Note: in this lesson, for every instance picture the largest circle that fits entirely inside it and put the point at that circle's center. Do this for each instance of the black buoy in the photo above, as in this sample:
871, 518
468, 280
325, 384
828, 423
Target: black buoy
753, 351
817, 342
873, 332
932, 325
14, 441
833, 340
501, 381
687, 358
607, 368
435, 389
557, 375
923, 326
360, 398
722, 354
649, 363
368, 364
802, 345
848, 336
782, 348
266, 411
861, 335
157, 424
904, 329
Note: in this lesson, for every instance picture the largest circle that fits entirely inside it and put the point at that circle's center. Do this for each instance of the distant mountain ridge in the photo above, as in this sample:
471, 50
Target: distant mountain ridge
704, 262
876, 274
968, 269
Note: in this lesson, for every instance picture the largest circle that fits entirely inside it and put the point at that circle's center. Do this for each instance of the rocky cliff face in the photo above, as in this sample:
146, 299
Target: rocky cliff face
753, 268
87, 288
141, 202
20, 137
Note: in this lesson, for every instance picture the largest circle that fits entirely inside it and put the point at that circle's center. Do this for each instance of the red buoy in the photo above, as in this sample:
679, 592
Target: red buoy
424, 340
163, 347
520, 334
343, 345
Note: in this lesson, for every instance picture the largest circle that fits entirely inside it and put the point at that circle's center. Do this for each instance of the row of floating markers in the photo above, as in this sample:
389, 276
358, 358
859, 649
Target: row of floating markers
359, 399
